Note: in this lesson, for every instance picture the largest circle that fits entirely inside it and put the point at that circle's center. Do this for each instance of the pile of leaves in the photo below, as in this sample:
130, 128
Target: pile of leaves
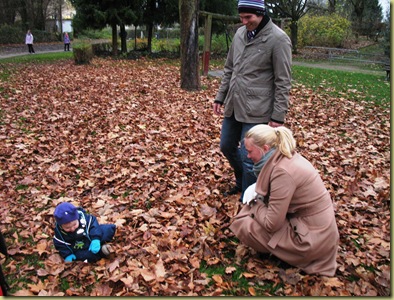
122, 140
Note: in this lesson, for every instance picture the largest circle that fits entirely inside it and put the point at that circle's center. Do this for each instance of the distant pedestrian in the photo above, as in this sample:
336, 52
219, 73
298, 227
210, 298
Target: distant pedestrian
29, 41
66, 42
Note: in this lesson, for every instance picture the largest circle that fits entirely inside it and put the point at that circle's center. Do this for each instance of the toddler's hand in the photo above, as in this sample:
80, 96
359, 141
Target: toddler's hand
95, 246
70, 258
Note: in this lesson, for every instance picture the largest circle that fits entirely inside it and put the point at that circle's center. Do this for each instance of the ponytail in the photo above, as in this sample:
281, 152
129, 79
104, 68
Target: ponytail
278, 137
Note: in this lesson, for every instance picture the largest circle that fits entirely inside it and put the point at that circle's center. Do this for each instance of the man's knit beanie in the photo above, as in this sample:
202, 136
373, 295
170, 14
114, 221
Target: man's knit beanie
65, 213
256, 7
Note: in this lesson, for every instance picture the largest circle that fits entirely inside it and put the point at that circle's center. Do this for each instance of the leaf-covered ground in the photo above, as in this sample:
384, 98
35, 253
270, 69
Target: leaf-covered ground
121, 139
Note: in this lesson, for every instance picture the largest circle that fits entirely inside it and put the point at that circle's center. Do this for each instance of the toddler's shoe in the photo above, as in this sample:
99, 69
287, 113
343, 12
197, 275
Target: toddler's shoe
106, 249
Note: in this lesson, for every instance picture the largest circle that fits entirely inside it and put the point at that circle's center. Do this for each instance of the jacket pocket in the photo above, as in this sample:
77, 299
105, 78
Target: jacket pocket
301, 235
299, 227
259, 102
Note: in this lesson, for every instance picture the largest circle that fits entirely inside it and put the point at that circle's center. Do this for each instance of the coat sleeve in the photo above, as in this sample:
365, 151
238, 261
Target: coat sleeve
94, 228
282, 60
61, 246
226, 78
281, 193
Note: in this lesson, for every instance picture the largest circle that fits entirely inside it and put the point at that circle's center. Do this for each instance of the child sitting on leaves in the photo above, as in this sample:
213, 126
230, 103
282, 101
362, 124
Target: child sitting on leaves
79, 236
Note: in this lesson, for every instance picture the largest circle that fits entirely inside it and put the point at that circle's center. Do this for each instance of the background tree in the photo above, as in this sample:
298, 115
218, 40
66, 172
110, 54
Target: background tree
33, 13
292, 9
357, 15
98, 14
387, 34
159, 12
55, 9
223, 7
190, 77
372, 17
8, 10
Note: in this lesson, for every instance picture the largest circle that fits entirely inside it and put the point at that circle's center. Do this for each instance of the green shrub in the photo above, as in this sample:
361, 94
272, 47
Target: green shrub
82, 52
11, 35
95, 34
166, 45
102, 49
15, 35
219, 44
139, 44
324, 31
41, 36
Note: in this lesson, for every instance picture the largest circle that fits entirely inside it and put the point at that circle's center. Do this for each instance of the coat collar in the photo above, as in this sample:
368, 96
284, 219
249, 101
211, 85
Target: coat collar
260, 36
263, 181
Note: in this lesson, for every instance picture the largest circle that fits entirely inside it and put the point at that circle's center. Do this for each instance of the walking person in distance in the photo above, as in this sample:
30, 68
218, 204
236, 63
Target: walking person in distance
29, 41
66, 42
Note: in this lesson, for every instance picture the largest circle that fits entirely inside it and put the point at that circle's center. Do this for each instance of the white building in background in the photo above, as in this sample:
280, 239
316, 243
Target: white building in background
67, 26
67, 16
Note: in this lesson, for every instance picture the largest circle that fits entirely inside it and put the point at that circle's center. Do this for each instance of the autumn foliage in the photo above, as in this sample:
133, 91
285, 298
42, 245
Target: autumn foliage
121, 139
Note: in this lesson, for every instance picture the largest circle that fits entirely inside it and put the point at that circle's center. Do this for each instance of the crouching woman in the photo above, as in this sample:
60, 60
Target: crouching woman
289, 212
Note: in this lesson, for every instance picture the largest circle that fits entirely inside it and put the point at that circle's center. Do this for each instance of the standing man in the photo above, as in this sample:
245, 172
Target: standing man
255, 86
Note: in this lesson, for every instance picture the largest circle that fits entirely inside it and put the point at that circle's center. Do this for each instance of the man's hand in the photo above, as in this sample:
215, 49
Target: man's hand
217, 108
274, 124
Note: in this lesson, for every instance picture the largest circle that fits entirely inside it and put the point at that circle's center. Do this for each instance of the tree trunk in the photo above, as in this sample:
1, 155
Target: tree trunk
123, 38
151, 11
61, 17
114, 40
294, 35
135, 37
190, 77
150, 36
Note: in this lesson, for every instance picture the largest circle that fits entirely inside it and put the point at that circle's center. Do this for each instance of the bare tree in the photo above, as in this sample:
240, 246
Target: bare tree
190, 77
292, 9
8, 10
358, 13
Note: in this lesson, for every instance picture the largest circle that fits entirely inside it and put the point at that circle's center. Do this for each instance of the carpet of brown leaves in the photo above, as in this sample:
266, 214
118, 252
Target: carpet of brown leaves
122, 140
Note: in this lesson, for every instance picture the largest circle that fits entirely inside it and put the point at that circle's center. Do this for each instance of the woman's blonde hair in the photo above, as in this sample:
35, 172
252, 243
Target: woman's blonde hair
279, 137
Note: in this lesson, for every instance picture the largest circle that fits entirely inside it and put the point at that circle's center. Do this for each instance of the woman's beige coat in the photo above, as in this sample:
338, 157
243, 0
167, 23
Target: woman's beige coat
298, 223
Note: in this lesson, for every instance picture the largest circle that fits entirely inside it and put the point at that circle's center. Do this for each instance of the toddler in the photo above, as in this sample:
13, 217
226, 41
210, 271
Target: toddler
79, 236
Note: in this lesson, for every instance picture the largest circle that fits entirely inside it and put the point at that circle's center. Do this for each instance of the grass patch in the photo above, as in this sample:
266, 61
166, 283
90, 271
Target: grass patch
237, 283
4, 74
340, 63
38, 58
343, 84
24, 272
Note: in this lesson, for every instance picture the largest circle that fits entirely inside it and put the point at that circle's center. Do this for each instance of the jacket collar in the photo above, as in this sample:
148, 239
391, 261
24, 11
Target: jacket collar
263, 181
262, 33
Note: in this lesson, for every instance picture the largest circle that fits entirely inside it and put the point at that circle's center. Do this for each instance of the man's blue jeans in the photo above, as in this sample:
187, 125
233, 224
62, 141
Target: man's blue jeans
233, 147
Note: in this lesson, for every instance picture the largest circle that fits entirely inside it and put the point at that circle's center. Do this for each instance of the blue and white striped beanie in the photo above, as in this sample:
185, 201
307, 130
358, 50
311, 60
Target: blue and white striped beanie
256, 7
